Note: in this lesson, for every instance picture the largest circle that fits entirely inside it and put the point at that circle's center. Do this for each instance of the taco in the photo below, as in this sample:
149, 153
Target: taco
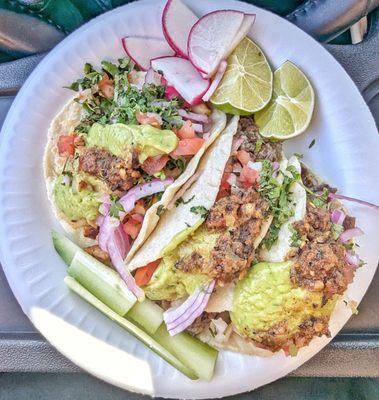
258, 264
117, 154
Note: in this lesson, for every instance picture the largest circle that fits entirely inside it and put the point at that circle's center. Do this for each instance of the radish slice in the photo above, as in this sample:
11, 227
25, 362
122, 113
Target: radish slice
183, 76
177, 21
247, 23
143, 49
216, 81
211, 39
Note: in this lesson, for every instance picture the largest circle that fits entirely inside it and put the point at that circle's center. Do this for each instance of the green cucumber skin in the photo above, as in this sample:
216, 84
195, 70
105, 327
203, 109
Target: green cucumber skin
103, 282
130, 327
87, 269
147, 314
190, 351
64, 247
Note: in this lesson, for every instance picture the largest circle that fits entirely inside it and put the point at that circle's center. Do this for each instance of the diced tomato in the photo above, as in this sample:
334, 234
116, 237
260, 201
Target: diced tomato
186, 131
106, 86
144, 274
188, 147
224, 189
152, 165
139, 208
66, 145
152, 119
248, 176
132, 227
243, 157
137, 217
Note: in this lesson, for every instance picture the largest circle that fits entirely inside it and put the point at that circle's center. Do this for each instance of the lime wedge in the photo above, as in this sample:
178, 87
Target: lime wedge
247, 83
290, 110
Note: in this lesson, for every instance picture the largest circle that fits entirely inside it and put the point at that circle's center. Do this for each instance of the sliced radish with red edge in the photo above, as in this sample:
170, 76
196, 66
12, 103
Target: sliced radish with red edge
211, 38
143, 49
247, 23
177, 21
216, 80
183, 76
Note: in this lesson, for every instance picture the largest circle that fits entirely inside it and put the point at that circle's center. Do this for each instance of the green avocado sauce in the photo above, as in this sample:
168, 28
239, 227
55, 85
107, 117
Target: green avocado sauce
73, 203
170, 283
121, 139
266, 297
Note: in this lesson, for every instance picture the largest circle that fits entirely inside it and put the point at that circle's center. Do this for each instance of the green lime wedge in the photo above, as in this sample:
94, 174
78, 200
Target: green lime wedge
290, 110
247, 83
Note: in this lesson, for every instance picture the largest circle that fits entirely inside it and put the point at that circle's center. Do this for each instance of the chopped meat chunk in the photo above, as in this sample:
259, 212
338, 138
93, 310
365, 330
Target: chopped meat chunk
117, 173
99, 254
262, 150
312, 182
278, 337
321, 267
90, 231
316, 226
349, 222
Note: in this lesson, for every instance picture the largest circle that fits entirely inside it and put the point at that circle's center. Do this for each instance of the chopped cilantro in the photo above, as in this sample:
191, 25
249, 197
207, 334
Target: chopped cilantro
312, 144
296, 239
181, 201
258, 146
179, 163
299, 155
127, 99
337, 229
278, 197
201, 210
160, 210
116, 208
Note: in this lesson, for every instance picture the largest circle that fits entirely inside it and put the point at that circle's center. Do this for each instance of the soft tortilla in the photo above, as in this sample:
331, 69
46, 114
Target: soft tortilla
65, 123
203, 193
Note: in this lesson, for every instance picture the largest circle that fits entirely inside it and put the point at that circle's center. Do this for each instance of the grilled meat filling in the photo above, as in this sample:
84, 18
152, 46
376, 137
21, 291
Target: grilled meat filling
117, 173
320, 264
239, 218
258, 147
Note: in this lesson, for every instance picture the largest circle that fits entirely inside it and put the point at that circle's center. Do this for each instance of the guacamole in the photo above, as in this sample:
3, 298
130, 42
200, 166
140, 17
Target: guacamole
266, 298
170, 283
121, 139
75, 204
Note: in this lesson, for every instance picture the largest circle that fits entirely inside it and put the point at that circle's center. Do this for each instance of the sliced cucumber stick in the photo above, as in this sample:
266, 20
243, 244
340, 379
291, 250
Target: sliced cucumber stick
102, 281
147, 314
193, 353
65, 247
130, 327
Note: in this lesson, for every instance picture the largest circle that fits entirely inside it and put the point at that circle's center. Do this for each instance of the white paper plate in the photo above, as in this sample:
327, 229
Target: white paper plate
345, 153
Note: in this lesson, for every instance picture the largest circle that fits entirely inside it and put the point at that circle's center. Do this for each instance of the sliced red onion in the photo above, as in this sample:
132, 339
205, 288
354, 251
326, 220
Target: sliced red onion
352, 258
107, 227
350, 234
118, 262
162, 103
338, 216
66, 180
198, 128
216, 80
193, 116
257, 166
275, 166
146, 189
179, 318
206, 135
232, 180
237, 167
122, 241
237, 143
364, 203
153, 78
